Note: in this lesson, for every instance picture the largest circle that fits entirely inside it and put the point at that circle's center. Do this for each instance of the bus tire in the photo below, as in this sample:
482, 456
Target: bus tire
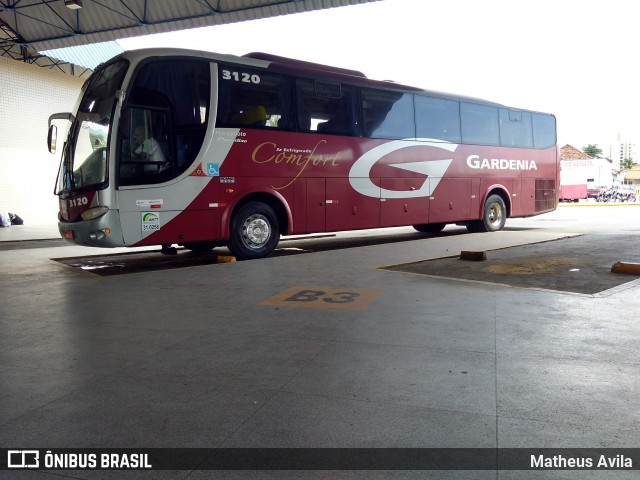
494, 216
430, 227
254, 231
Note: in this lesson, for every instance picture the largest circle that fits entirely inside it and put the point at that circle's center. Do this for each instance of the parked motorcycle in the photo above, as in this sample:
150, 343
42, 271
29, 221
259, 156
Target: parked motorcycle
617, 195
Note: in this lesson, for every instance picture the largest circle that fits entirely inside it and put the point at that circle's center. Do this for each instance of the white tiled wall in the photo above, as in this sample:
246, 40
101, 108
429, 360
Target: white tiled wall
28, 95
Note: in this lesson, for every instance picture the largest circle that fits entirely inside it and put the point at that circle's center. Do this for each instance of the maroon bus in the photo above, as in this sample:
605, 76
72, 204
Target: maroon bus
203, 150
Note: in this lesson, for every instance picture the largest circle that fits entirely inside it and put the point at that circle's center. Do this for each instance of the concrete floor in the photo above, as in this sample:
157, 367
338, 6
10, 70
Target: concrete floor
231, 355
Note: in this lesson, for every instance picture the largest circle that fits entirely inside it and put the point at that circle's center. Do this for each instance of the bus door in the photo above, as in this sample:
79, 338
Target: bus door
142, 212
158, 201
153, 215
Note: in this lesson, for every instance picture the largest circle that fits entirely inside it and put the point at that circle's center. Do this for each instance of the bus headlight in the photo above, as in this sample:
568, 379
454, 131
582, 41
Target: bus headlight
94, 212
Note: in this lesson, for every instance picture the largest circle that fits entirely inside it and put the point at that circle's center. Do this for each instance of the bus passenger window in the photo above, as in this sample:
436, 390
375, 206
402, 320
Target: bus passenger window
437, 119
256, 99
544, 130
515, 128
388, 114
256, 116
479, 124
326, 107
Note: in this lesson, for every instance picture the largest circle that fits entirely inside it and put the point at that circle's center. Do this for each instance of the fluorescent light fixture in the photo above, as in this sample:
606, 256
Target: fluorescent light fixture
73, 4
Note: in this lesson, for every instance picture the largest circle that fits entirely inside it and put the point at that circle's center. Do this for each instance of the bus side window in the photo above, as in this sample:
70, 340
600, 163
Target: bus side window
479, 124
326, 107
516, 129
256, 116
544, 130
437, 119
251, 98
387, 114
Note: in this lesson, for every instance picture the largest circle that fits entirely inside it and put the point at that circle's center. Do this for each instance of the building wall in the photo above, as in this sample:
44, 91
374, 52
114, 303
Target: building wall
593, 172
28, 95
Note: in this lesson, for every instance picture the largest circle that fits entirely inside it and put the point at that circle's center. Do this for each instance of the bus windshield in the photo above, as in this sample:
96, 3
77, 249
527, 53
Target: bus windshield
84, 160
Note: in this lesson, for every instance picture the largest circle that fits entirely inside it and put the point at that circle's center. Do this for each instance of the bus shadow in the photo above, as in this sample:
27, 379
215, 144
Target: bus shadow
152, 260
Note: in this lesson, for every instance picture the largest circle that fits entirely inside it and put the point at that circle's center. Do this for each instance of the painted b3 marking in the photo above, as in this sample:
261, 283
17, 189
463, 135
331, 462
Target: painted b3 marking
324, 297
315, 295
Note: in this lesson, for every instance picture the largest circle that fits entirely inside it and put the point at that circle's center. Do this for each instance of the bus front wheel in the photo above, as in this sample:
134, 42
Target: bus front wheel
254, 231
493, 218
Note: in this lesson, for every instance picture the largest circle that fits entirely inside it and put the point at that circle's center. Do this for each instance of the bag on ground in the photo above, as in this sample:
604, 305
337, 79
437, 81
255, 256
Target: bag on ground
15, 219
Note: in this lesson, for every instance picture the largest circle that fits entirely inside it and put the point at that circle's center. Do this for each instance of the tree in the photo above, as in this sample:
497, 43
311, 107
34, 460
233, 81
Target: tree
592, 150
627, 163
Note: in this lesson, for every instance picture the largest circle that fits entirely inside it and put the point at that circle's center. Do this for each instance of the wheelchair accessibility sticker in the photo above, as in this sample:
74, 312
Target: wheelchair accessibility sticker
213, 169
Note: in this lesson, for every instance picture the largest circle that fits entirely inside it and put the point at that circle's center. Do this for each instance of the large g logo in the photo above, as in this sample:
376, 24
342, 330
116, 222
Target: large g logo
433, 169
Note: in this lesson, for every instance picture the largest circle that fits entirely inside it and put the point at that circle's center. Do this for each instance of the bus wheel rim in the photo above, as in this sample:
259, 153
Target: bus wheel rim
256, 231
495, 214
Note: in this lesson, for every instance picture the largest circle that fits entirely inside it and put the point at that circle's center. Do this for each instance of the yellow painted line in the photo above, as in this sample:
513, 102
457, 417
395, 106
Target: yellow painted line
225, 259
626, 268
343, 298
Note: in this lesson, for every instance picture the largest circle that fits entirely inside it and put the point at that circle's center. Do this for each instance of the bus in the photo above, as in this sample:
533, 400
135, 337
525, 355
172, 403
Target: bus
169, 146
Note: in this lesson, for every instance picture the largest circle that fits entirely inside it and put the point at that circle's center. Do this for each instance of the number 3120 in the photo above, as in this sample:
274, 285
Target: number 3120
240, 77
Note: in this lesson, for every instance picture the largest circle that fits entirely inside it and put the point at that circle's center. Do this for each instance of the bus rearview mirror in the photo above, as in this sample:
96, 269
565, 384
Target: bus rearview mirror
52, 138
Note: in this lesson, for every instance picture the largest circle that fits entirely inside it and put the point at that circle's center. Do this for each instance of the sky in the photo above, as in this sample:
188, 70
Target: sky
576, 59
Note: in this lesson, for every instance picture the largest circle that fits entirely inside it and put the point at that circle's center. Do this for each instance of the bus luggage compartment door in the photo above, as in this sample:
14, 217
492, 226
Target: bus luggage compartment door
406, 210
451, 201
349, 210
313, 217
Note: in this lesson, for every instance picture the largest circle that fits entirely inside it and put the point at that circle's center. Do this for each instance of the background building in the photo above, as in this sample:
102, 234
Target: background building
618, 151
580, 173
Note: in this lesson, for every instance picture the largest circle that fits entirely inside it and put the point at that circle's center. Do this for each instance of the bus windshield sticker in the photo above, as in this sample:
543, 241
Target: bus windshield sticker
198, 172
213, 169
150, 203
150, 221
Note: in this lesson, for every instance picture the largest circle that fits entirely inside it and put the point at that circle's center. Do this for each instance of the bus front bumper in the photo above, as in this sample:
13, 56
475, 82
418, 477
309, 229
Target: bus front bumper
104, 231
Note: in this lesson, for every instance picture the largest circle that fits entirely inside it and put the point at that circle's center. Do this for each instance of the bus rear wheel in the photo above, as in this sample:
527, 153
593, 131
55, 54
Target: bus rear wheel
430, 227
493, 218
254, 231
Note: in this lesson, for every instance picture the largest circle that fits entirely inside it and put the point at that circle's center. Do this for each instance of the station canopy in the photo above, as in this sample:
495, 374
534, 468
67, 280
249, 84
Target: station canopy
30, 27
